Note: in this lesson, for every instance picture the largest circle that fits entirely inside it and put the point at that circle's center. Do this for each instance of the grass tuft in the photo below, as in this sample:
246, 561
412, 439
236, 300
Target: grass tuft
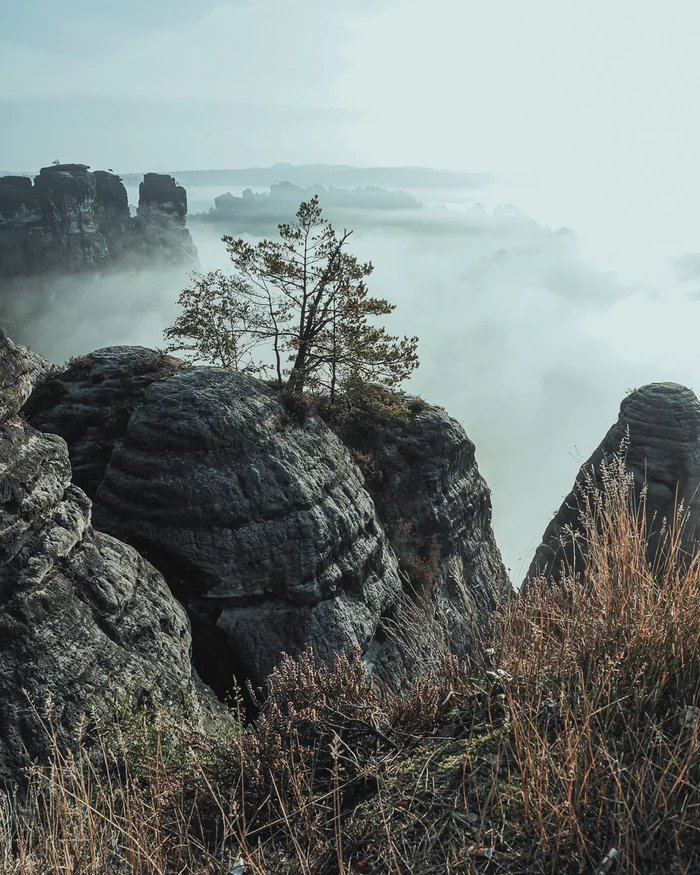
567, 744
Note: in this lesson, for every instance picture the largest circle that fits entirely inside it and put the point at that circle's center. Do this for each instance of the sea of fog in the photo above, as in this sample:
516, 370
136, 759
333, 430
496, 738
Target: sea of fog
526, 340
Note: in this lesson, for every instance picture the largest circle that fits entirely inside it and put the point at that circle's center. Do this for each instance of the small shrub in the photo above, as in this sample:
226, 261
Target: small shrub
417, 405
371, 471
300, 407
79, 363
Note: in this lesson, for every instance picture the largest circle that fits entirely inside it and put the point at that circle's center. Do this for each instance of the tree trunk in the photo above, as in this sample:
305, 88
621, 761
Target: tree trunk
297, 377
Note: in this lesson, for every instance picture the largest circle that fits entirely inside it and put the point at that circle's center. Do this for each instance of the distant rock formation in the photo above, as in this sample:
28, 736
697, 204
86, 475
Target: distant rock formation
73, 220
663, 420
264, 526
79, 610
281, 202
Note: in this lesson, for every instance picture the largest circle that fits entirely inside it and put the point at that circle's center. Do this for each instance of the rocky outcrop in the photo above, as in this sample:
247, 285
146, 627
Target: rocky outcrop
73, 220
422, 473
161, 219
39, 366
663, 424
161, 199
264, 526
89, 403
261, 526
15, 379
51, 225
81, 614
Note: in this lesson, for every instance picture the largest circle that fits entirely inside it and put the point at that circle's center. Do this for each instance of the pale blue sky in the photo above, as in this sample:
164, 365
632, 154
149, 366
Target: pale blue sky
574, 104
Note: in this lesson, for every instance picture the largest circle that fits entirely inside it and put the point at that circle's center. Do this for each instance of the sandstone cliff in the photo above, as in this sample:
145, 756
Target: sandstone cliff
80, 612
264, 526
436, 508
73, 220
261, 526
663, 423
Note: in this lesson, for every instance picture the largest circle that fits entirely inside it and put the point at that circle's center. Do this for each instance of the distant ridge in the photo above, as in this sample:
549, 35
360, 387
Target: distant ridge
339, 175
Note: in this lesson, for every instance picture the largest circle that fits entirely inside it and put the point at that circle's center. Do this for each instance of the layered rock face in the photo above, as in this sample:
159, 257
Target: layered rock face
81, 614
73, 220
261, 526
436, 508
89, 404
264, 526
51, 225
161, 219
663, 423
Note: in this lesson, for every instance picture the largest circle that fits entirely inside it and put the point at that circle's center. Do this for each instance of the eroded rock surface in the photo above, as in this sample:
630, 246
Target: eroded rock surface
81, 614
261, 525
70, 220
663, 422
15, 378
436, 508
90, 402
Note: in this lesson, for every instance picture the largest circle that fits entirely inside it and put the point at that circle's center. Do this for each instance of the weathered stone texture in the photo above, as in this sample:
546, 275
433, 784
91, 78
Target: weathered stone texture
663, 424
81, 614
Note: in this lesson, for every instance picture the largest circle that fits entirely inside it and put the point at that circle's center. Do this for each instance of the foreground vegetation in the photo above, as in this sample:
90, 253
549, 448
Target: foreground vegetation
568, 743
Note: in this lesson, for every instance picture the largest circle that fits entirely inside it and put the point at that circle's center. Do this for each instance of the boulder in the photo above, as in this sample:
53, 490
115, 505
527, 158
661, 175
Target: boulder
81, 614
89, 403
422, 474
261, 525
662, 423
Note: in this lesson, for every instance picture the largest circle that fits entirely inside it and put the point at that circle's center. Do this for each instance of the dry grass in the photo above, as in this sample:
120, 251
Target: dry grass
569, 745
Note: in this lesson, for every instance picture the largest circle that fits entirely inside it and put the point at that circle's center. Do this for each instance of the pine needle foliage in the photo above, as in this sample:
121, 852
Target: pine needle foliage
304, 299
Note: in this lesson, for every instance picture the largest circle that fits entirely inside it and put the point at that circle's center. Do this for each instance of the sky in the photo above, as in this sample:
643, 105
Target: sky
586, 113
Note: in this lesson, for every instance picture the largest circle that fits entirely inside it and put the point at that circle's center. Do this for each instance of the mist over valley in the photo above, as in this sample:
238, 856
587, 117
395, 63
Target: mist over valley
521, 338
349, 437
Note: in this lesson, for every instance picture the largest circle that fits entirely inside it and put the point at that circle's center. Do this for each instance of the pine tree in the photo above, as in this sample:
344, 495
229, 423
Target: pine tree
305, 296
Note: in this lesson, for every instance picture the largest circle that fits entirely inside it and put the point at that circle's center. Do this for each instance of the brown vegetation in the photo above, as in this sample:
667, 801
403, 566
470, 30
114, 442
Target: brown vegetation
569, 744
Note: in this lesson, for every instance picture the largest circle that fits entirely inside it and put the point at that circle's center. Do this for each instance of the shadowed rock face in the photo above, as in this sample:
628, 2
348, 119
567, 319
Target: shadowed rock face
51, 225
436, 506
90, 402
663, 420
80, 612
160, 220
73, 220
262, 527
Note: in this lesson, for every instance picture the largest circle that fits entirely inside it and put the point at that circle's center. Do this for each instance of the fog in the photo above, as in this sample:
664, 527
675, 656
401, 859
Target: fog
578, 277
521, 340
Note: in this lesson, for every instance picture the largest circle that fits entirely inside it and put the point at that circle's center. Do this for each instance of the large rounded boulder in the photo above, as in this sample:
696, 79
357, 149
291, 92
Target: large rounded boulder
260, 523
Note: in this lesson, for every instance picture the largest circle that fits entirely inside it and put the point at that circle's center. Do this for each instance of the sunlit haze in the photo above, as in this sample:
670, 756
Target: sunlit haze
574, 281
